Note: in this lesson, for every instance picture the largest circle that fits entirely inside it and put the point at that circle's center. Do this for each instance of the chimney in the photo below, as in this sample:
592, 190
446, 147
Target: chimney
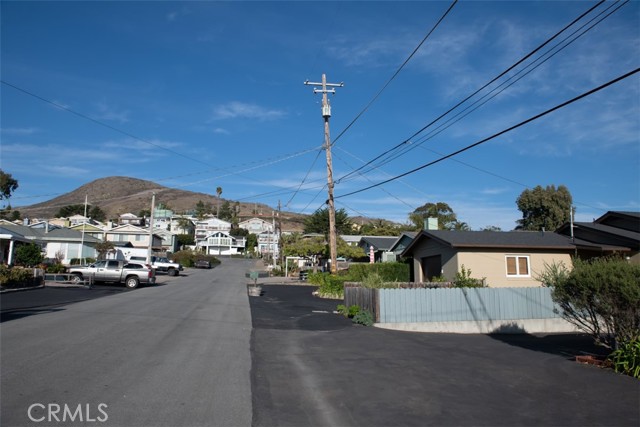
431, 223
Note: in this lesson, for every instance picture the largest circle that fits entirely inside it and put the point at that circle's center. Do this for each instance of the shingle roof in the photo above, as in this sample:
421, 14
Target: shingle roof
496, 239
380, 243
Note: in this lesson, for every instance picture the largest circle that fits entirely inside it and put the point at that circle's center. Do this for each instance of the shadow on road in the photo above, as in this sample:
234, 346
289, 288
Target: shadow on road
5, 316
567, 345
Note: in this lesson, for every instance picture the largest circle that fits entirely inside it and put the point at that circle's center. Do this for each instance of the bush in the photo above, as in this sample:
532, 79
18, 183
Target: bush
349, 312
188, 258
15, 277
626, 359
388, 271
600, 296
329, 286
28, 255
55, 268
363, 318
463, 279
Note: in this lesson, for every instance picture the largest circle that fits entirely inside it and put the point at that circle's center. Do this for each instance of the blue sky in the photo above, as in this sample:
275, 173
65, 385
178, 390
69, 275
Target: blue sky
199, 95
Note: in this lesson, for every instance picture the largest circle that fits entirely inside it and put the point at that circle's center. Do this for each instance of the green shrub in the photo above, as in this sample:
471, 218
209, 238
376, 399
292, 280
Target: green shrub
626, 359
342, 309
55, 268
28, 255
363, 318
388, 271
329, 285
15, 277
600, 296
463, 279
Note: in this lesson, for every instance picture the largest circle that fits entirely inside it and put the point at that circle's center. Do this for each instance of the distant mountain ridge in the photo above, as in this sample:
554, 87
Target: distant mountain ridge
117, 195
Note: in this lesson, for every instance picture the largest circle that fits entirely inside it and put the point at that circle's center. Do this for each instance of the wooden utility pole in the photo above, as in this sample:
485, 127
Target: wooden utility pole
153, 207
326, 114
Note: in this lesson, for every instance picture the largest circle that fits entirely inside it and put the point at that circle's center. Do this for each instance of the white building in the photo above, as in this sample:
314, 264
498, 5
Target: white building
205, 227
221, 243
257, 226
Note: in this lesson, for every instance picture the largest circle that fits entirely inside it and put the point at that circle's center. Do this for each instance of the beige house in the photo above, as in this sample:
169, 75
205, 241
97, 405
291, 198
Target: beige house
138, 237
503, 259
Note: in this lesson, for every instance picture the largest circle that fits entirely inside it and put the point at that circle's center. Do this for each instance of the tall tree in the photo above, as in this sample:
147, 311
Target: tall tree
225, 212
218, 193
447, 218
202, 209
318, 222
7, 185
544, 208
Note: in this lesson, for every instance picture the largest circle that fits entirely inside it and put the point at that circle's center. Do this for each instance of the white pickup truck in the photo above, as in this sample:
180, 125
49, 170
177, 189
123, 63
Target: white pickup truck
131, 273
162, 264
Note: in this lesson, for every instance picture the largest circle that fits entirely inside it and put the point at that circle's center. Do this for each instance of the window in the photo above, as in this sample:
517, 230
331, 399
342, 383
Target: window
517, 266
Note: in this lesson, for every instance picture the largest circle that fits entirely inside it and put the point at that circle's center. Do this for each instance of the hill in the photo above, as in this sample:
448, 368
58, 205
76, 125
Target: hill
118, 195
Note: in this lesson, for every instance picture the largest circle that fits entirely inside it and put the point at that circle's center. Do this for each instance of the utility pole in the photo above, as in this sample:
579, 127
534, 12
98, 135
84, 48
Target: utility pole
153, 207
326, 114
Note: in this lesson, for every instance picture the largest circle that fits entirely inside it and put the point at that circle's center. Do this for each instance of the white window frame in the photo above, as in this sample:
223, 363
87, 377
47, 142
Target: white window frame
517, 258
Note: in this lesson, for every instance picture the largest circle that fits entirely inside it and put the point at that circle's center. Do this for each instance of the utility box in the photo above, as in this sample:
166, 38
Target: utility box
326, 110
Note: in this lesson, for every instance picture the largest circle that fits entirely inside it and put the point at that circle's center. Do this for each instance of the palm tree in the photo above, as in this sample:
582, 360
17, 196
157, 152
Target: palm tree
219, 193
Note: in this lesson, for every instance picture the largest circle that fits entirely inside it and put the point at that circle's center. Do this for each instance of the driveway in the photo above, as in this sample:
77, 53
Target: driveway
314, 368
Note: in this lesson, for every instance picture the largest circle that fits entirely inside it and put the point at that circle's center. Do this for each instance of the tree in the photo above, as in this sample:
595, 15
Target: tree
600, 296
447, 218
491, 228
296, 245
92, 211
225, 212
202, 209
7, 185
544, 208
28, 255
103, 248
318, 222
383, 228
218, 193
185, 240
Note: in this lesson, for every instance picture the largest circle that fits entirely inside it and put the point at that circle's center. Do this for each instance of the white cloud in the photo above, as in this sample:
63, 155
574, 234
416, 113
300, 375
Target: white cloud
18, 131
236, 109
106, 112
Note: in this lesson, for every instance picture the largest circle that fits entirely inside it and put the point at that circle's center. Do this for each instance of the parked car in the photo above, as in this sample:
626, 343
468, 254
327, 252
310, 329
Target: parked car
131, 273
161, 264
202, 263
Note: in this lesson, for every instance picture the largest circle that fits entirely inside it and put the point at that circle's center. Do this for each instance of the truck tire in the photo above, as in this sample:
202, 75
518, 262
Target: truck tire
173, 272
76, 278
132, 282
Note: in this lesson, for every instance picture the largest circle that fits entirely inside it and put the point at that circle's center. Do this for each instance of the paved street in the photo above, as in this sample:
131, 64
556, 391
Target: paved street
176, 354
316, 369
197, 351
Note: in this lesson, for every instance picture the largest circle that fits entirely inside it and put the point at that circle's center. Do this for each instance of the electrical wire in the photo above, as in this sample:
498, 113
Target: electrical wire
377, 95
534, 51
468, 147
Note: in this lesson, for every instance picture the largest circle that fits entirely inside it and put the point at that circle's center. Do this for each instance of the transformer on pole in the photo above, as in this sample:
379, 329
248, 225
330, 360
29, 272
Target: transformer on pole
326, 114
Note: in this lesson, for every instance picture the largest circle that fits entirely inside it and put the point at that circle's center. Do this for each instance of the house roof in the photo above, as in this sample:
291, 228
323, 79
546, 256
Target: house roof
379, 243
406, 236
495, 240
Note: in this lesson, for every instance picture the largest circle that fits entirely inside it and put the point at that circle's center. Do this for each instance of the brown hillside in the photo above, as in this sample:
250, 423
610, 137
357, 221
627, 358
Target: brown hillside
118, 195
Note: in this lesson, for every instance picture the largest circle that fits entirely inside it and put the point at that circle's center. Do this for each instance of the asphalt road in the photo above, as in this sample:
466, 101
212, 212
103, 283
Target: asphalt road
313, 368
176, 354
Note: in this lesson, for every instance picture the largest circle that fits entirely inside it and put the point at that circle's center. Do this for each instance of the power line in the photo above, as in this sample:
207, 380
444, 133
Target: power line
396, 73
468, 147
500, 88
408, 140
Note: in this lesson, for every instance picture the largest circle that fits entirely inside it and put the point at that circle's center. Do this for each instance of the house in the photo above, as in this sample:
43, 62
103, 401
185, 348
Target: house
613, 232
58, 243
379, 244
138, 237
351, 239
10, 238
268, 244
169, 241
89, 230
204, 228
257, 226
221, 243
129, 218
402, 242
182, 224
503, 259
